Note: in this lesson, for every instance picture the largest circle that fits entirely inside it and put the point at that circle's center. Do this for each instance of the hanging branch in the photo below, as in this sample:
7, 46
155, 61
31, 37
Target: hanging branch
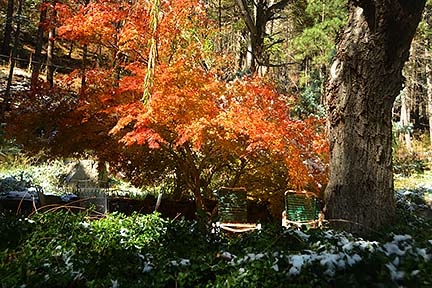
151, 64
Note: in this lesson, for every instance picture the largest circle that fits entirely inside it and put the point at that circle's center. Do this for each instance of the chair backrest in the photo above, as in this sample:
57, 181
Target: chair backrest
232, 205
301, 207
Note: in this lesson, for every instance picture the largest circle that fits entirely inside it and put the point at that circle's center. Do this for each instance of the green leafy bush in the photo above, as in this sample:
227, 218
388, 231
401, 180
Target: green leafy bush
63, 250
47, 175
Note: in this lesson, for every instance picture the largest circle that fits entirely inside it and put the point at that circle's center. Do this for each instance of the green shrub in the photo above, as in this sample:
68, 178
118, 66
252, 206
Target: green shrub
27, 174
64, 250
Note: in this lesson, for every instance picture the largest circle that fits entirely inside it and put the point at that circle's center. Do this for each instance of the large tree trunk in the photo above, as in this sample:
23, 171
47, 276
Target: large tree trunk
364, 81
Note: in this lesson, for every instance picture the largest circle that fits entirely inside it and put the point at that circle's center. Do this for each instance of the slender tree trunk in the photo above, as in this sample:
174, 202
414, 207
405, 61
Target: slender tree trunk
83, 67
405, 121
428, 55
364, 81
6, 99
5, 50
220, 25
71, 46
50, 56
50, 53
37, 57
99, 56
408, 97
84, 59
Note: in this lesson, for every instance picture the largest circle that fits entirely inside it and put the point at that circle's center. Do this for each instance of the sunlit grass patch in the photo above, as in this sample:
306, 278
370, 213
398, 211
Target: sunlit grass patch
417, 180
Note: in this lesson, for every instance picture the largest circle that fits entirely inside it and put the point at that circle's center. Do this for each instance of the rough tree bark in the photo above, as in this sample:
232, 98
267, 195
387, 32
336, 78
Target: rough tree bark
364, 81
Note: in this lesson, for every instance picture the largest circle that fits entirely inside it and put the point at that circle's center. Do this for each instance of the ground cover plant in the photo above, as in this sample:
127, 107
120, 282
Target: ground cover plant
26, 172
75, 250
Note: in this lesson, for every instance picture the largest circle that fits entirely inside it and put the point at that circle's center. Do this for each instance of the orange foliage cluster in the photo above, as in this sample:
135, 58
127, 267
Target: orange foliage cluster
192, 114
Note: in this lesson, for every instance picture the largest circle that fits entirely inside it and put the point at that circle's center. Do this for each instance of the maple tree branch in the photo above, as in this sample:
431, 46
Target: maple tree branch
240, 171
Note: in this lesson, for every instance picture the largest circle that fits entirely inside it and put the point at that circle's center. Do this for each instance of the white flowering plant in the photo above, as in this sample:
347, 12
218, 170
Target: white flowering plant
64, 249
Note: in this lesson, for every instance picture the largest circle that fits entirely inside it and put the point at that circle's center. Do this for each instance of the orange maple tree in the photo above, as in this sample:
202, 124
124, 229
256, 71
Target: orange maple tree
206, 130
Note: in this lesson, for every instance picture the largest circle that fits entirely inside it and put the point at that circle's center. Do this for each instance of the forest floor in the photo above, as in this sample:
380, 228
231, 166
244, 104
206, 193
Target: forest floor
417, 180
416, 190
20, 80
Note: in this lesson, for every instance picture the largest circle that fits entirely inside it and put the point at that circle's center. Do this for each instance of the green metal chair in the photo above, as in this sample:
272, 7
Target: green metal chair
302, 208
232, 211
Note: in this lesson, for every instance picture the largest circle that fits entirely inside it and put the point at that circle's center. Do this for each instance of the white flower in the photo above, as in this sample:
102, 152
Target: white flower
329, 259
227, 255
302, 235
297, 261
398, 238
253, 256
353, 259
395, 275
341, 263
348, 246
147, 267
330, 272
391, 248
84, 224
275, 267
422, 252
184, 262
114, 283
29, 221
259, 256
294, 271
123, 232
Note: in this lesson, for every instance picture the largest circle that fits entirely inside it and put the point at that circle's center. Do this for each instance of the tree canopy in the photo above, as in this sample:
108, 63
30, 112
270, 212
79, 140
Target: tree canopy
205, 130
